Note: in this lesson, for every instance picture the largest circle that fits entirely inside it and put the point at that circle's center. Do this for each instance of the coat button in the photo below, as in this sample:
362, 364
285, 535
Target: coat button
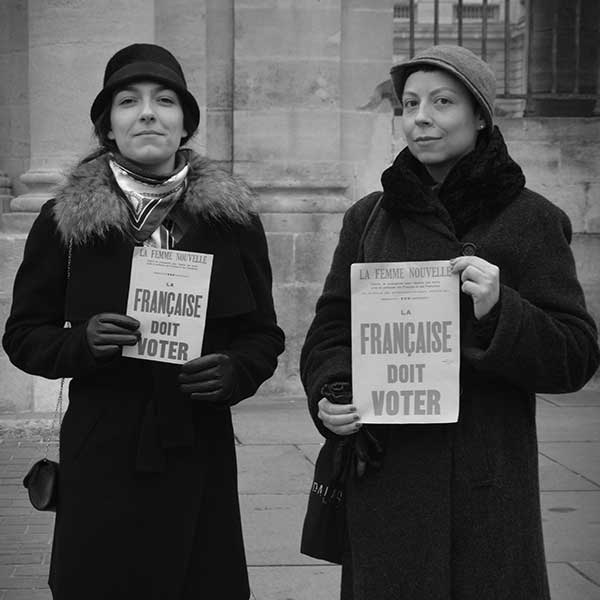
469, 249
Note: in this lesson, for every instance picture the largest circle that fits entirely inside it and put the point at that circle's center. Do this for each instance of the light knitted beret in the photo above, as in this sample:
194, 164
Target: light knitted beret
468, 68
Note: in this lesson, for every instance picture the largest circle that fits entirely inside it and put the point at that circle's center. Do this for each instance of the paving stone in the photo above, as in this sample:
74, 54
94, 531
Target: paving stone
272, 525
279, 445
31, 571
273, 470
45, 529
311, 451
568, 424
295, 583
567, 584
23, 583
14, 558
16, 510
10, 491
26, 538
590, 569
274, 422
28, 595
556, 477
38, 518
571, 523
16, 529
581, 398
581, 458
35, 450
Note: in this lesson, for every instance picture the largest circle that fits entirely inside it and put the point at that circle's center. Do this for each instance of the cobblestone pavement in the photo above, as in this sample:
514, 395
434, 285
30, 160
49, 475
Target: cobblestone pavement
277, 446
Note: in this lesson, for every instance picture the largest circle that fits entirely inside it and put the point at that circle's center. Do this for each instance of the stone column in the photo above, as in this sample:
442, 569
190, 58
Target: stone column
69, 44
200, 34
5, 195
287, 144
181, 27
219, 77
366, 59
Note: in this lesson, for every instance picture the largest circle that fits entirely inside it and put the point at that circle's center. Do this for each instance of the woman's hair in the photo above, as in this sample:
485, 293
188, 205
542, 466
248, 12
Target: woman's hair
102, 127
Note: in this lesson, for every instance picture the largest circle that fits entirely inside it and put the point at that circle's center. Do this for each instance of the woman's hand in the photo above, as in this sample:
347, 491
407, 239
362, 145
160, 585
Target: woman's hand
342, 419
107, 332
210, 378
480, 280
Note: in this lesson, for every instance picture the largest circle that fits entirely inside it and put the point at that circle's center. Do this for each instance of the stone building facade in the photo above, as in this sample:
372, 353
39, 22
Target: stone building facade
282, 86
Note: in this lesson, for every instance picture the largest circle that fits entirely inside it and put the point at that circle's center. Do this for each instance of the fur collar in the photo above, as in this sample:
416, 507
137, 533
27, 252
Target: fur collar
478, 186
88, 205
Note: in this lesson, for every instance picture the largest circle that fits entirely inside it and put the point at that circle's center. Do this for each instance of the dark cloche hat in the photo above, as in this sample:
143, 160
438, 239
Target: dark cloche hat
146, 61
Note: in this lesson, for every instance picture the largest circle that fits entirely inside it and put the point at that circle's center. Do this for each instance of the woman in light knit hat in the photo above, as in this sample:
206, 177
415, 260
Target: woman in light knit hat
452, 511
148, 504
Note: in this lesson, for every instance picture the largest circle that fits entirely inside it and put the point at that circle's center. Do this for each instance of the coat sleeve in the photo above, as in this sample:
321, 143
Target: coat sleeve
258, 340
544, 340
35, 339
326, 356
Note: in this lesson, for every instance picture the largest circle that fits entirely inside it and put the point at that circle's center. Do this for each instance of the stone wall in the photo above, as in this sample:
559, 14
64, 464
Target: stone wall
279, 84
560, 157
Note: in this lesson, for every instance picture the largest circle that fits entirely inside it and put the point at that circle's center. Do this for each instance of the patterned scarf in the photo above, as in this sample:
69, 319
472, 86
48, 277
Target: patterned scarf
149, 200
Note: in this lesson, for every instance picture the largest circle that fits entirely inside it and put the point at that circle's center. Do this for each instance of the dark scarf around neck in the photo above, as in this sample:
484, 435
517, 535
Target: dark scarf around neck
478, 186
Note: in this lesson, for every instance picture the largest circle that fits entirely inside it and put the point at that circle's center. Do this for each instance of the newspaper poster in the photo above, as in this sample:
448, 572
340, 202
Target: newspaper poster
405, 342
168, 295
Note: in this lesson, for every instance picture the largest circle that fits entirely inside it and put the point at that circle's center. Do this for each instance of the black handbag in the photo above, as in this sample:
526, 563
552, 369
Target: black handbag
41, 480
324, 533
42, 484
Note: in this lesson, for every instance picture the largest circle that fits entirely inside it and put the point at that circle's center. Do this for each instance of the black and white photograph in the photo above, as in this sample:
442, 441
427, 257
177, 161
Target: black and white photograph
299, 299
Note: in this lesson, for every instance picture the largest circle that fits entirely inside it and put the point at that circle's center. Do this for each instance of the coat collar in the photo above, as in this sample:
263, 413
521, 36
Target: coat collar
89, 205
479, 185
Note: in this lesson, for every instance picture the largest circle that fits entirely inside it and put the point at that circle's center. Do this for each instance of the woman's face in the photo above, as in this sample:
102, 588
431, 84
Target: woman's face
147, 125
439, 120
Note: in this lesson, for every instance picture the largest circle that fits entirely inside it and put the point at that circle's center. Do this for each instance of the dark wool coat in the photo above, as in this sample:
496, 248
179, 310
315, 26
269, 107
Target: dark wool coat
148, 503
454, 511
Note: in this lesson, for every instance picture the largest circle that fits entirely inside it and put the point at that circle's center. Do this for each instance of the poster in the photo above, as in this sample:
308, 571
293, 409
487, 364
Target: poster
168, 295
405, 342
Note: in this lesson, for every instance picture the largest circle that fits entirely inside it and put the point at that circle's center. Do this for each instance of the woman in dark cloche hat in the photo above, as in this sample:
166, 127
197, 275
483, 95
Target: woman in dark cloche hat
148, 504
452, 511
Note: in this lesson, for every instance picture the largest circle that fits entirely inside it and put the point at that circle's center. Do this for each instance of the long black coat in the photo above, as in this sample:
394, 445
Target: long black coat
148, 482
454, 511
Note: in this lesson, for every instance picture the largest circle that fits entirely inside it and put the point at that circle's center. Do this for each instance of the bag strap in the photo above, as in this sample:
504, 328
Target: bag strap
58, 411
360, 254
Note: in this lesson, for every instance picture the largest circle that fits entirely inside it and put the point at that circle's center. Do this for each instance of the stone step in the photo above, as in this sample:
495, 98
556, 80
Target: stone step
16, 222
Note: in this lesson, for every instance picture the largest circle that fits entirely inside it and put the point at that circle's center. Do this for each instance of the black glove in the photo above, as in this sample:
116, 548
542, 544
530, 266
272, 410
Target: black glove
361, 449
210, 378
368, 451
107, 332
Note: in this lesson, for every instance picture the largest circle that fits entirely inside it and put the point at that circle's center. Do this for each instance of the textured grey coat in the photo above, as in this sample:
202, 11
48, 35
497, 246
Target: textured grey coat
454, 511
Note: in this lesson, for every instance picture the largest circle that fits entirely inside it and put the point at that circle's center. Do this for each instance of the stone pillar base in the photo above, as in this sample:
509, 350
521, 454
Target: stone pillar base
5, 195
41, 183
